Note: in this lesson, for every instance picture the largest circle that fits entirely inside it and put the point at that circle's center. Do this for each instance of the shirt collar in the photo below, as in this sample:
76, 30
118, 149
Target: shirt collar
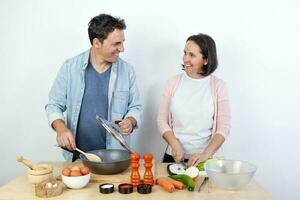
86, 57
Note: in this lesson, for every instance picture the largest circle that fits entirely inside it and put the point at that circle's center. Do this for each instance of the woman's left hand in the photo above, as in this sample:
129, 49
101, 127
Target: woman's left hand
197, 158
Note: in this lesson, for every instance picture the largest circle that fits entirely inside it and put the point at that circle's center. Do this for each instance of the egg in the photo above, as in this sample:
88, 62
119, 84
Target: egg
66, 171
75, 173
85, 170
75, 168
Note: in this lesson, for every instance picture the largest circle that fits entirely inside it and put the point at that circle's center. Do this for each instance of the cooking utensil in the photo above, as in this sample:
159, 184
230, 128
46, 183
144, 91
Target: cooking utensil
40, 173
184, 164
114, 130
90, 156
113, 161
203, 182
230, 174
27, 163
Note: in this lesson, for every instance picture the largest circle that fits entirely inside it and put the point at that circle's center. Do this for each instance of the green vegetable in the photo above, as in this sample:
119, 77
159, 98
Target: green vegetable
186, 180
212, 162
201, 166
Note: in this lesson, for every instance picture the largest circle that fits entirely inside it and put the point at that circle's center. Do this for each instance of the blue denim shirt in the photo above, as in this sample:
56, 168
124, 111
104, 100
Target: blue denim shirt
66, 95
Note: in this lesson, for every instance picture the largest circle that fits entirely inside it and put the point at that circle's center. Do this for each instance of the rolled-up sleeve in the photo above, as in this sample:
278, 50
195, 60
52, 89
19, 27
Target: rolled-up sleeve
223, 111
163, 117
56, 105
135, 108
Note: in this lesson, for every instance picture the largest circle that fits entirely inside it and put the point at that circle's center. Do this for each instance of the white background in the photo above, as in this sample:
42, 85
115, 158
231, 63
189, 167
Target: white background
258, 48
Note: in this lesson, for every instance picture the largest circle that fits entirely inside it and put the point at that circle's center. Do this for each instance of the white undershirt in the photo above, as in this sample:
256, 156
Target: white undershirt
192, 112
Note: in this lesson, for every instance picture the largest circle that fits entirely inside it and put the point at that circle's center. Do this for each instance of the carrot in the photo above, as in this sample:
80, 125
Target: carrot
167, 185
177, 184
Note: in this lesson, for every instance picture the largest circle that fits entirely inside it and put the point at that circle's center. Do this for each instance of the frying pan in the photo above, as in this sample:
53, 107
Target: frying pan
113, 161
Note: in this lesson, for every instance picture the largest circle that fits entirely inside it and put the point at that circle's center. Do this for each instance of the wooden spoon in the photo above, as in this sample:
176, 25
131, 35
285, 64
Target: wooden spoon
90, 156
25, 162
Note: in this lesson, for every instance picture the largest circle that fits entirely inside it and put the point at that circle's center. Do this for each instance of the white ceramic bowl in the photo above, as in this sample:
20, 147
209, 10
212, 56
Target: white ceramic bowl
230, 174
76, 182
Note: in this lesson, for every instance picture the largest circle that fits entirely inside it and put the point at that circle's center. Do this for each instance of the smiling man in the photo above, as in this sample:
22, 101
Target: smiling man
96, 82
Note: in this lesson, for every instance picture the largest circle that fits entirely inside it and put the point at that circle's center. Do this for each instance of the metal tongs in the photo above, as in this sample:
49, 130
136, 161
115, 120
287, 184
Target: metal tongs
114, 130
203, 182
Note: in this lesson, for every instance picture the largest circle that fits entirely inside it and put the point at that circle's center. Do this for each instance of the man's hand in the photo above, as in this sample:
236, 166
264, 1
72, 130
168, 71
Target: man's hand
127, 125
64, 136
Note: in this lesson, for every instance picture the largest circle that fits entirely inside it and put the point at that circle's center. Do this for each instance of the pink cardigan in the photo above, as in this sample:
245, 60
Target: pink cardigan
221, 119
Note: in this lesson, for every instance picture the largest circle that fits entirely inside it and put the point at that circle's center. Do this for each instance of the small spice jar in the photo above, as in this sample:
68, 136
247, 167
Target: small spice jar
106, 188
125, 188
144, 188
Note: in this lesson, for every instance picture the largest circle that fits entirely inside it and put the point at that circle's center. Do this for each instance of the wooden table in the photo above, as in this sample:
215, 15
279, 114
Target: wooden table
20, 188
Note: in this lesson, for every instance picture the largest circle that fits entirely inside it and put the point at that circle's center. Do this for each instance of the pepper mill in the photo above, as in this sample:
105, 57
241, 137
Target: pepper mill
135, 177
148, 176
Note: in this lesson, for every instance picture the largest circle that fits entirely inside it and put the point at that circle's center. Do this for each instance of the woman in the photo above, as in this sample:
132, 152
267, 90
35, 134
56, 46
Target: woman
194, 115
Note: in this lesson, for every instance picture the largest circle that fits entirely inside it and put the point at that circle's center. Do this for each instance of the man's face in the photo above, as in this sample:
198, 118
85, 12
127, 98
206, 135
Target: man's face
110, 48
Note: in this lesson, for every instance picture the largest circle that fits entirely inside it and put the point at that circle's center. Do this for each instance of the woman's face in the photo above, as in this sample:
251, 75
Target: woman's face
193, 59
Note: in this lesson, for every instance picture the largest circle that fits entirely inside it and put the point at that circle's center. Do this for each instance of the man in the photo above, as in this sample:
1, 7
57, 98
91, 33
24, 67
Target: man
96, 82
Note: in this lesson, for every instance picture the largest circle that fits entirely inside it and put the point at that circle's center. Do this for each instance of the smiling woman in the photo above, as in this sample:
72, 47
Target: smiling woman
190, 113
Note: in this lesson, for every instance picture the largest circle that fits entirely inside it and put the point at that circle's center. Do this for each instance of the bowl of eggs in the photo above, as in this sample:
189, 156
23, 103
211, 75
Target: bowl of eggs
76, 177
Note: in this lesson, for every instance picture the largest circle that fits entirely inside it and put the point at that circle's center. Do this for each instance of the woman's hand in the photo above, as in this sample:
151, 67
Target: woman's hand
177, 151
197, 158
215, 143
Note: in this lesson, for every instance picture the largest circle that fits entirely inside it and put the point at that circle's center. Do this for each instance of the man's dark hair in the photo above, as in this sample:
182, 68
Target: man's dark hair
208, 50
102, 25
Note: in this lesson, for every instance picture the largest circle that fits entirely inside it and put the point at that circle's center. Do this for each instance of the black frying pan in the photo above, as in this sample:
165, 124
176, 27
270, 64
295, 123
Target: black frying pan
113, 161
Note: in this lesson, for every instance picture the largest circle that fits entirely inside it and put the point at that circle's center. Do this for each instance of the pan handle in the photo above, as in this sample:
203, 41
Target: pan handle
66, 149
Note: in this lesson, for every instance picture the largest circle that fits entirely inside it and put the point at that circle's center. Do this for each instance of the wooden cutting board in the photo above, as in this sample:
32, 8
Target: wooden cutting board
123, 177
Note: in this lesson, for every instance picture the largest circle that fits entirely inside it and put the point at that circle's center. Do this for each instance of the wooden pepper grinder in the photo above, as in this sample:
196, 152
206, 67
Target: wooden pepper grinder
135, 177
148, 176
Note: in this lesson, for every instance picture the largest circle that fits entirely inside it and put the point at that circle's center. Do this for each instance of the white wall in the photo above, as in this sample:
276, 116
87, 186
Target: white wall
258, 46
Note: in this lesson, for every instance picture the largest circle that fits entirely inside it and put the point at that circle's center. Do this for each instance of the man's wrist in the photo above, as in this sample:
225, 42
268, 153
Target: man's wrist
133, 122
59, 126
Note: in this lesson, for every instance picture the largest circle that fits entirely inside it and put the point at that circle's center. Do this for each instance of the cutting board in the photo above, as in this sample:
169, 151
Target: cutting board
123, 177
